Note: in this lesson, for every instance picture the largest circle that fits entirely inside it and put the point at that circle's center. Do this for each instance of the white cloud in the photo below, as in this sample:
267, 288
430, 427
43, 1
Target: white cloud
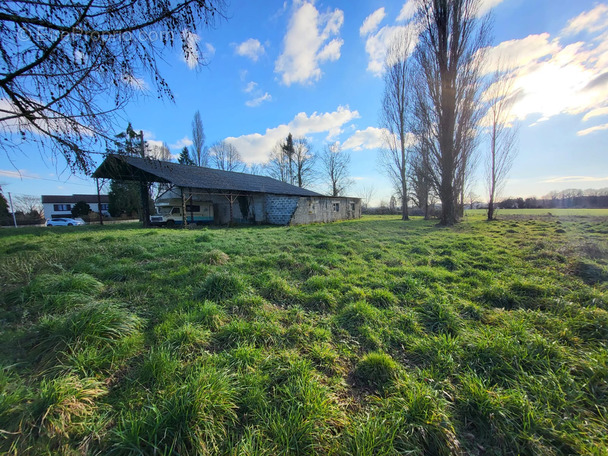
18, 174
250, 48
551, 78
592, 21
377, 45
599, 112
486, 5
259, 100
255, 148
370, 138
210, 49
308, 43
407, 11
572, 179
178, 145
591, 130
250, 87
371, 22
519, 53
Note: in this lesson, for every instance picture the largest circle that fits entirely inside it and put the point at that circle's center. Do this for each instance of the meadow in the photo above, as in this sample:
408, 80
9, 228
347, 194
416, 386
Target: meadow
365, 337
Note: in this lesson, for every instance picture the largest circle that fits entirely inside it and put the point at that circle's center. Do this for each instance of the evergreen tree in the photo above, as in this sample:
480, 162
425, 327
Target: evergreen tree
4, 213
124, 198
289, 151
184, 157
81, 209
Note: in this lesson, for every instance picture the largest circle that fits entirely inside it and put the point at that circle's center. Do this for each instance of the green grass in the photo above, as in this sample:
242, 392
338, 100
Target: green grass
366, 337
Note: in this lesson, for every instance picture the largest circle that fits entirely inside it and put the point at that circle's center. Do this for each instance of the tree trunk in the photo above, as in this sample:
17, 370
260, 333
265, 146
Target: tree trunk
493, 176
184, 215
99, 203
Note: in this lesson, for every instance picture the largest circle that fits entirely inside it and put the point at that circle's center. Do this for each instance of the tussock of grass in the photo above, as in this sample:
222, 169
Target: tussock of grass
191, 419
221, 286
380, 297
97, 326
216, 257
62, 406
376, 370
438, 317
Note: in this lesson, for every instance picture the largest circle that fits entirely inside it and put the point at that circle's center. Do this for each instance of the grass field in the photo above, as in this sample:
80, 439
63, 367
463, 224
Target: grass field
368, 337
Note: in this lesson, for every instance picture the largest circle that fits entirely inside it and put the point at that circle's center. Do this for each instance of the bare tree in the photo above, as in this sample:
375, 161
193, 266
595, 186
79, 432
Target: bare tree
303, 162
396, 113
66, 67
28, 204
421, 185
254, 168
449, 55
502, 136
225, 156
200, 155
159, 152
277, 166
335, 169
366, 193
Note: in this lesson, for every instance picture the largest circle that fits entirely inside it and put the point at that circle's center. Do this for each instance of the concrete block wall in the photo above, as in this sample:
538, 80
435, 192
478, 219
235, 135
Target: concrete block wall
280, 208
323, 210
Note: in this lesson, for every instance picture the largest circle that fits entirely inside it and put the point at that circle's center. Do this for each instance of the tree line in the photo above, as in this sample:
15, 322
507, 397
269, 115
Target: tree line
564, 199
437, 100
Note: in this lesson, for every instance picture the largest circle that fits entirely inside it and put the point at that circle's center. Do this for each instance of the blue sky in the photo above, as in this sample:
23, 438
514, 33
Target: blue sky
315, 69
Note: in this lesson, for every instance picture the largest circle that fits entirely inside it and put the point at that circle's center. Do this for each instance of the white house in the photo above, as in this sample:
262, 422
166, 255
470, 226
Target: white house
57, 206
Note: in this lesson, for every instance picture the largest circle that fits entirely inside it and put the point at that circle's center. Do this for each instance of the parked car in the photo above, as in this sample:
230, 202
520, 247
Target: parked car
65, 222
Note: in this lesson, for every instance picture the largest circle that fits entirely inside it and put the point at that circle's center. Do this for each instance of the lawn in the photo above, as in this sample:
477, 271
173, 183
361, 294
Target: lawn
367, 337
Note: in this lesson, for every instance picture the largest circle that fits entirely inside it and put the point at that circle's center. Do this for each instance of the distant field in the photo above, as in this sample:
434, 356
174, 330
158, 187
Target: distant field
367, 337
532, 212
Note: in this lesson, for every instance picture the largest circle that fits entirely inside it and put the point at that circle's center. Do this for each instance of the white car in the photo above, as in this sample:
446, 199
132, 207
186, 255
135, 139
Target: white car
65, 222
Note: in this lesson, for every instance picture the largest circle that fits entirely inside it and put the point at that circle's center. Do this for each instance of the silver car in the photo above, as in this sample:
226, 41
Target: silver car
65, 222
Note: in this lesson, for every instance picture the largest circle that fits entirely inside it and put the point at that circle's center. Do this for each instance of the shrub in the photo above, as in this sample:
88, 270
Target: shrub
376, 370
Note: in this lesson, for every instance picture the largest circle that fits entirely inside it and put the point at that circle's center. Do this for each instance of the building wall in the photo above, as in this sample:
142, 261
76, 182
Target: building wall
280, 208
283, 209
50, 212
325, 209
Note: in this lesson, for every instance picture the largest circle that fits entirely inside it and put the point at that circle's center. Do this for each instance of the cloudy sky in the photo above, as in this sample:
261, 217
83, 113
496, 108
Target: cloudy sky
314, 68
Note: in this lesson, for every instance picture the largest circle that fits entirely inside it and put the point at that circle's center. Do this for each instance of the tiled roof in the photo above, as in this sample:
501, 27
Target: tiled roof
195, 177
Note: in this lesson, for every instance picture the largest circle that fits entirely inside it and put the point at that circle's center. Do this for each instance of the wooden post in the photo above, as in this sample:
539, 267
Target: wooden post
99, 203
184, 215
143, 187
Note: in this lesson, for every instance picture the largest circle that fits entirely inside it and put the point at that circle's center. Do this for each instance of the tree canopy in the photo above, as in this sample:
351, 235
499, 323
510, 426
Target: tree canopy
66, 66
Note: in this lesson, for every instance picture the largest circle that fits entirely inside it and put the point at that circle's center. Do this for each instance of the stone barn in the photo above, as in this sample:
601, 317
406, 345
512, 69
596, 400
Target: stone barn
193, 194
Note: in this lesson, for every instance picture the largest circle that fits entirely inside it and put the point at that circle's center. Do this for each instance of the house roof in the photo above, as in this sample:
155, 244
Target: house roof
127, 167
69, 199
